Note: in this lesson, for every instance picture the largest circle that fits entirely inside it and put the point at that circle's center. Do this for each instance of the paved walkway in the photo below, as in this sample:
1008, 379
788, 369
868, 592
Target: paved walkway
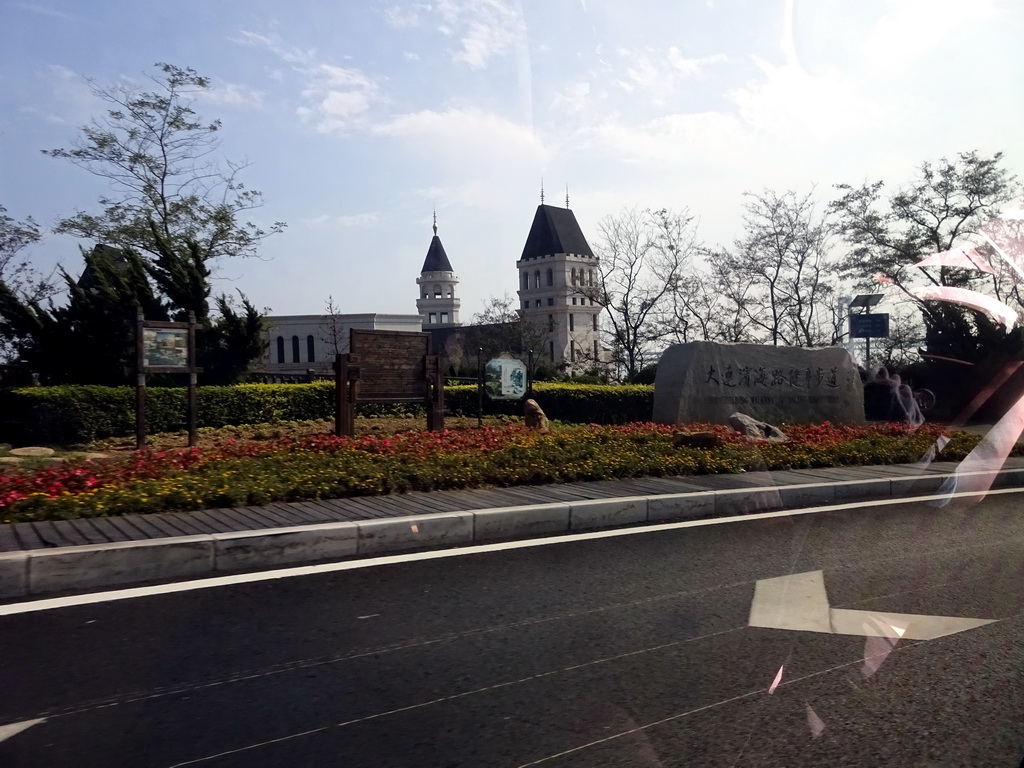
104, 530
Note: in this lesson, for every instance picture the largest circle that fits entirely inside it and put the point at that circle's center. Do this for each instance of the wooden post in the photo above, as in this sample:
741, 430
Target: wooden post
434, 393
193, 399
352, 375
480, 386
529, 375
340, 385
140, 382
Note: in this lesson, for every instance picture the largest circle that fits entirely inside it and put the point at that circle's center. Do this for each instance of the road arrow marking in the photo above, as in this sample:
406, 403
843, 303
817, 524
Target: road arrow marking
6, 731
800, 602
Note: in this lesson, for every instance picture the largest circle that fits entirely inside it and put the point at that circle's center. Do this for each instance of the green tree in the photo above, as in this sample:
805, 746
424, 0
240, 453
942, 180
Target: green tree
944, 204
174, 207
167, 179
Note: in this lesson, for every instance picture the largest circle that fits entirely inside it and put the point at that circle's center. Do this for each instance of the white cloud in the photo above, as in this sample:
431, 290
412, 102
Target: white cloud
788, 102
910, 28
274, 44
661, 76
484, 28
410, 56
346, 220
573, 99
676, 139
337, 97
402, 18
479, 158
233, 94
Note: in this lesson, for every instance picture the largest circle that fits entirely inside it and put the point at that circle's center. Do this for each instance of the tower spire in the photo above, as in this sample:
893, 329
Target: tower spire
566, 195
542, 190
435, 220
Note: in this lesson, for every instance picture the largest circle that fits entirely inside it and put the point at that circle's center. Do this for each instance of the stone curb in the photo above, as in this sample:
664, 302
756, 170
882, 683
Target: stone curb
41, 571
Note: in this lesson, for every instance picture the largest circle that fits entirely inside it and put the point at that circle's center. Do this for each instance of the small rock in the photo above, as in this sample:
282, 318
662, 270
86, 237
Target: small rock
697, 440
96, 456
751, 427
535, 417
32, 451
9, 460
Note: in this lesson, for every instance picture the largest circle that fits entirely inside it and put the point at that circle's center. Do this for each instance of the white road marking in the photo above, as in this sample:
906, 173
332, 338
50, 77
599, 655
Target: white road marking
799, 602
48, 604
13, 729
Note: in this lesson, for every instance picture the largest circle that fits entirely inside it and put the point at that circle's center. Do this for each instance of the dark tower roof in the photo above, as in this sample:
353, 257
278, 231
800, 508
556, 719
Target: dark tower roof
437, 259
555, 230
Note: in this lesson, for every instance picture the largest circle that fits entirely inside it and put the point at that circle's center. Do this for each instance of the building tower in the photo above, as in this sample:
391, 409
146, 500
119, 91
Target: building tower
437, 303
558, 283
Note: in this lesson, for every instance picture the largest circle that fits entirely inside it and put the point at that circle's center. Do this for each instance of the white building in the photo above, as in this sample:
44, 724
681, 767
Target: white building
296, 343
437, 302
558, 277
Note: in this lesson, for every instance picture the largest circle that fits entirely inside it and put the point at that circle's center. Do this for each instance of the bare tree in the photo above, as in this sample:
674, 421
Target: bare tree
784, 259
499, 328
710, 304
332, 330
643, 255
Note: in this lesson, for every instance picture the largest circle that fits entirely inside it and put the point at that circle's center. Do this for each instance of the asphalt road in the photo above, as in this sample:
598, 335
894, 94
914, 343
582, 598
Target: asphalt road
625, 651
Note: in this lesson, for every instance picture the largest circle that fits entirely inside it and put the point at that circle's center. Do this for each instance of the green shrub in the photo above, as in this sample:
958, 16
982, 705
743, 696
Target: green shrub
568, 402
66, 415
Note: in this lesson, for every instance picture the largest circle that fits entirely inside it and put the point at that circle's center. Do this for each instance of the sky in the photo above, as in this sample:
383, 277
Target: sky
359, 119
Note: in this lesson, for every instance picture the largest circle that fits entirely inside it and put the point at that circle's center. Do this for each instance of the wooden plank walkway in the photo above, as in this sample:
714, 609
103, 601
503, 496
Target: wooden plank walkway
63, 533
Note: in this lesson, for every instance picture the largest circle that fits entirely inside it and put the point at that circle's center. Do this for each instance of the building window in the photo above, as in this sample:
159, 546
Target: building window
591, 277
551, 276
572, 322
551, 347
595, 323
449, 292
295, 350
437, 291
572, 350
310, 349
280, 349
526, 305
444, 318
536, 279
426, 295
551, 301
574, 301
537, 303
551, 323
526, 281
574, 276
596, 355
432, 318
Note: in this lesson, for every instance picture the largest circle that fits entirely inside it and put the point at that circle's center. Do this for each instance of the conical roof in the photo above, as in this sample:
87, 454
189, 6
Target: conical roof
437, 259
555, 230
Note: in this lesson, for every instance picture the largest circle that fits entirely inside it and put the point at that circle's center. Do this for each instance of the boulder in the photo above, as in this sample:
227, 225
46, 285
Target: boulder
32, 451
760, 430
707, 382
535, 417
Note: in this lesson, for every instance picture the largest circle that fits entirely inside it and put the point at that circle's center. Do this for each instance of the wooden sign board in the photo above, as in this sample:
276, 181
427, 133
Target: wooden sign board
391, 365
387, 367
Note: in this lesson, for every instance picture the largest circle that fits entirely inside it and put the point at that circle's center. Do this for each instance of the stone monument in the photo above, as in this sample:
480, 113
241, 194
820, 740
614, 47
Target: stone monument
707, 382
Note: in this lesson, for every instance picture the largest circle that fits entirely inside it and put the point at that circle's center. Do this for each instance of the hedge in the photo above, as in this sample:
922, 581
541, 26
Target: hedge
67, 415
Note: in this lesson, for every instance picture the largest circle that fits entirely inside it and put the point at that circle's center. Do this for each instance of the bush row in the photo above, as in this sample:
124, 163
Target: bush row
68, 415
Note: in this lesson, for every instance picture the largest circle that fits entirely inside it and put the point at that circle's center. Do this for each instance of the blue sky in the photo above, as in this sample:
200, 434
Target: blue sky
358, 117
